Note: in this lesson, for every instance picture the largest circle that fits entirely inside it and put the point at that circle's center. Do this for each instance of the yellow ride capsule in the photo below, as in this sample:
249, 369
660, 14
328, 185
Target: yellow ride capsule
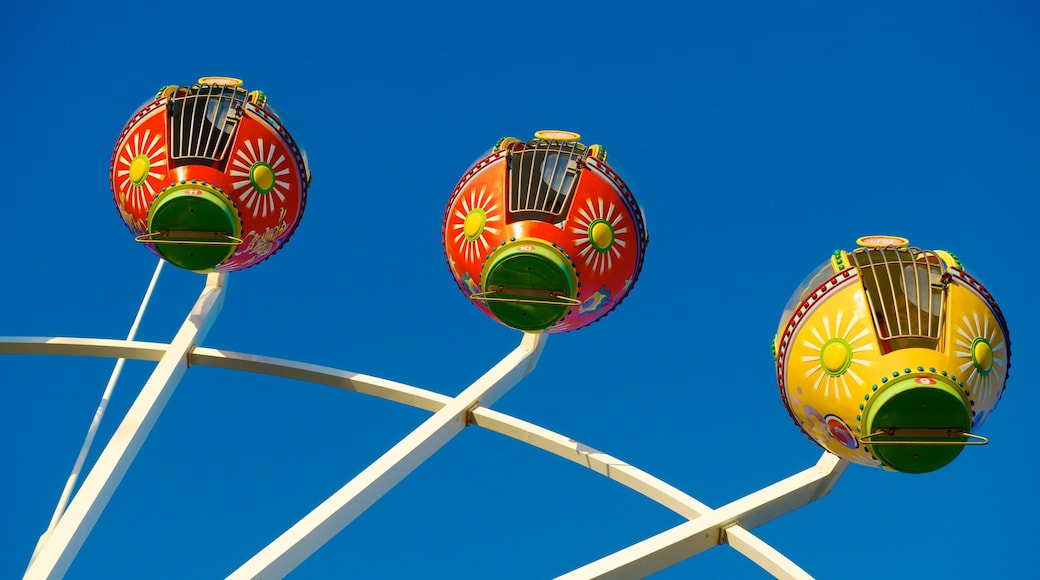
890, 356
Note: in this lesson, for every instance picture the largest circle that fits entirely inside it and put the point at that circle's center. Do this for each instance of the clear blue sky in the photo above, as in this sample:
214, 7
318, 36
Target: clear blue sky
758, 136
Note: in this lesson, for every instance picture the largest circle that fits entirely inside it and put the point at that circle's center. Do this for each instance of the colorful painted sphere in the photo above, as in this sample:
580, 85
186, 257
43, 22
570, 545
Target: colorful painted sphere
208, 178
543, 235
890, 356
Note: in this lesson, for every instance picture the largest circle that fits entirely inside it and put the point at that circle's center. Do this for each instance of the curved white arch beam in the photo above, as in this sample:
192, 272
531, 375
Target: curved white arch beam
631, 477
523, 431
212, 357
101, 347
322, 375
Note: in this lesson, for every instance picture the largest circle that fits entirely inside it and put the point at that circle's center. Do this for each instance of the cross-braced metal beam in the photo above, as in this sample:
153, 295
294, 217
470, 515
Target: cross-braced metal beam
706, 527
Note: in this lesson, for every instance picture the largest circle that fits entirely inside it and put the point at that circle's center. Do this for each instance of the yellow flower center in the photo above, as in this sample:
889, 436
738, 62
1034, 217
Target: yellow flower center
262, 177
982, 355
601, 235
139, 169
474, 224
835, 356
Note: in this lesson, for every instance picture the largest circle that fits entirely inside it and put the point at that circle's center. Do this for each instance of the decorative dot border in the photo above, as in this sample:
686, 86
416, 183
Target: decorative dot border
205, 186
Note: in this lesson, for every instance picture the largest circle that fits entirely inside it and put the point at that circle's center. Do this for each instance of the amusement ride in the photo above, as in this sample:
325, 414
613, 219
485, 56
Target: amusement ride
887, 355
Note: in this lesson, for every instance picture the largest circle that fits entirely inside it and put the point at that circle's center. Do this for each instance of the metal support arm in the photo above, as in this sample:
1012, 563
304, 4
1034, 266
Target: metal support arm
55, 557
316, 528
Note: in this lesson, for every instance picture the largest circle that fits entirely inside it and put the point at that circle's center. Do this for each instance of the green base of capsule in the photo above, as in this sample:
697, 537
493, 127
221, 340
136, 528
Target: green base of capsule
529, 285
192, 228
908, 405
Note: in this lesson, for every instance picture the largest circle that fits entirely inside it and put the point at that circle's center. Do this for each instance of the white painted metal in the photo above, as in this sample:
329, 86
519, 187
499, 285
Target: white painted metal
328, 519
364, 384
707, 527
75, 524
664, 494
597, 461
103, 347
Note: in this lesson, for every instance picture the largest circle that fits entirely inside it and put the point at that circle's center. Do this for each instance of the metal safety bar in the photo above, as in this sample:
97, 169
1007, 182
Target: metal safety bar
922, 432
189, 237
532, 294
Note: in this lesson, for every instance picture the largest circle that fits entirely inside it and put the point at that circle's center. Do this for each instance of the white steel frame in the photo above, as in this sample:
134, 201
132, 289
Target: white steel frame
706, 527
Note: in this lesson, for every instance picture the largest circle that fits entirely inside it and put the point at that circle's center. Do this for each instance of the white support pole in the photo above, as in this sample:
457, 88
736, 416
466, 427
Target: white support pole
72, 529
319, 526
699, 534
106, 396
